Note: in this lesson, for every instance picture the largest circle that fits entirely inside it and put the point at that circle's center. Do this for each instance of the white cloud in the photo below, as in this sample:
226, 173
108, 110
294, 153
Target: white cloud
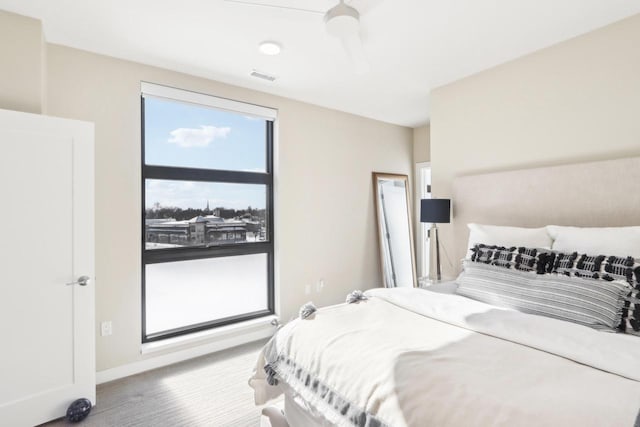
193, 137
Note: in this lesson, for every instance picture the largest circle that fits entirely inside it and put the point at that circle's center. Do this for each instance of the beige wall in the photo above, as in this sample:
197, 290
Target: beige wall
422, 144
575, 101
21, 63
324, 206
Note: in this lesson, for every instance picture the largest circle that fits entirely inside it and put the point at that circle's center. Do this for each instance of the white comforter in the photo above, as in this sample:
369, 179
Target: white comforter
408, 357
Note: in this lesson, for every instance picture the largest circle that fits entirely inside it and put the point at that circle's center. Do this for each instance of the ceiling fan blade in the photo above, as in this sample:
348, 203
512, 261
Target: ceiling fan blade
364, 6
355, 50
274, 6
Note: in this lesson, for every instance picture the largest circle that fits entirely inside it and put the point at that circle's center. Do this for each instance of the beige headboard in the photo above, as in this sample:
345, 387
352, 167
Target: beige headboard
593, 194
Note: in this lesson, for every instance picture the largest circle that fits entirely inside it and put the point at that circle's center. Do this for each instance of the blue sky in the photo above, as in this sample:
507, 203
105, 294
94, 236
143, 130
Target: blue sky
178, 134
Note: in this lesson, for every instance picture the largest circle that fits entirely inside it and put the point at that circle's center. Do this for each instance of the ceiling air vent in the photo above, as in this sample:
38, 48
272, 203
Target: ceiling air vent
263, 76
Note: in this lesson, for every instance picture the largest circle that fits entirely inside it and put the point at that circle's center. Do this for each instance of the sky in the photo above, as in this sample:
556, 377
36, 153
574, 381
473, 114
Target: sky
186, 135
190, 194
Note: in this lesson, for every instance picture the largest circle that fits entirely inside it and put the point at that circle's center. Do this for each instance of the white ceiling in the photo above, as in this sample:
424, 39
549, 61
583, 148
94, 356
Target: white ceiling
412, 45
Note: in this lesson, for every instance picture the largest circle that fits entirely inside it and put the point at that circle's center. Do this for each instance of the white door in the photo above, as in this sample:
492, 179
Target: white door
47, 350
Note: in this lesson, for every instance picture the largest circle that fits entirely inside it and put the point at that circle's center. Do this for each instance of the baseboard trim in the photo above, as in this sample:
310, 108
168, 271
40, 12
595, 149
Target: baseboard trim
159, 361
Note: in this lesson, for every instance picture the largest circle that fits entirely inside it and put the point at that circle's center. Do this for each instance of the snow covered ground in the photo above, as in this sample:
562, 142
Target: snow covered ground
189, 292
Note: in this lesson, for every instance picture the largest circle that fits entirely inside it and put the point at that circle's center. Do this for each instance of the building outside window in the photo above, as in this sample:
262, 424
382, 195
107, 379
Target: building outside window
207, 223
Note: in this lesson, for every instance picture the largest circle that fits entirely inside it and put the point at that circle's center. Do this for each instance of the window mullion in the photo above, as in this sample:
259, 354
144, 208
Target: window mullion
205, 175
171, 255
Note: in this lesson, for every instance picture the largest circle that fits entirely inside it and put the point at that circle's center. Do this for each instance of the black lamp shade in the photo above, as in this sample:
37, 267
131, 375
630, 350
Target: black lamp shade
435, 210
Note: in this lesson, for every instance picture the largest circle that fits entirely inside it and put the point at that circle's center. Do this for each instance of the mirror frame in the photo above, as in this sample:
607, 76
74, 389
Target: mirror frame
375, 177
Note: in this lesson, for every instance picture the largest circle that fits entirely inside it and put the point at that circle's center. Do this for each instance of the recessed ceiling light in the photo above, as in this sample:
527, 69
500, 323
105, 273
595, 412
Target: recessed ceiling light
270, 48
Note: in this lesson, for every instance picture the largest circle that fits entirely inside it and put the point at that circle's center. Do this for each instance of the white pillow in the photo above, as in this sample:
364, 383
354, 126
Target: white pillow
508, 236
619, 241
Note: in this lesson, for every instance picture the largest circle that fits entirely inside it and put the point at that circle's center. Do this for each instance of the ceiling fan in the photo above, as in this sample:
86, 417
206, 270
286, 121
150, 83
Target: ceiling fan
341, 21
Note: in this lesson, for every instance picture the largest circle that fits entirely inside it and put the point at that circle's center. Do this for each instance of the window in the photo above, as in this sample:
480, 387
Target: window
207, 221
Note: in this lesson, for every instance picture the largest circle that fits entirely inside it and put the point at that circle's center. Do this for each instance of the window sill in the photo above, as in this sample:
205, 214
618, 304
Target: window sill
249, 328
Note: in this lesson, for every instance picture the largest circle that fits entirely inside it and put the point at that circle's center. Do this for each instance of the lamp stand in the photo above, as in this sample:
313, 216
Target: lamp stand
434, 252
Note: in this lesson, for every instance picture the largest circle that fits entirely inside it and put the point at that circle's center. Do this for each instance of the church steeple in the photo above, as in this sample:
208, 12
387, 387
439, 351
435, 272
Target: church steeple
208, 210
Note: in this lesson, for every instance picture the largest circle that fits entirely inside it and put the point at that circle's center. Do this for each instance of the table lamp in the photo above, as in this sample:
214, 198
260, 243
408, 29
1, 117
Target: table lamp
435, 211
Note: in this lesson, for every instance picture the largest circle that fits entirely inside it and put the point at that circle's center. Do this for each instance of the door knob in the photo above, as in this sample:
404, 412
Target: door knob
82, 281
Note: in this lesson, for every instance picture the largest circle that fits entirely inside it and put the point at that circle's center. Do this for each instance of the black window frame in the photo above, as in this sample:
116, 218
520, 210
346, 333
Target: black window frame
155, 256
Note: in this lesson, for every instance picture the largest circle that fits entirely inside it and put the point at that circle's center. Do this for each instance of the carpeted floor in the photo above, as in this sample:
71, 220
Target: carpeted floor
208, 391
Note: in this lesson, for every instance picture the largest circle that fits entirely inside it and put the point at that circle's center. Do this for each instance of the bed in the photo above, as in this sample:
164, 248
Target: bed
458, 355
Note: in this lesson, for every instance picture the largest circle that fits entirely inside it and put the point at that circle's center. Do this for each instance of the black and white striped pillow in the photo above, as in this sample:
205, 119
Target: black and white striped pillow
597, 304
628, 269
607, 269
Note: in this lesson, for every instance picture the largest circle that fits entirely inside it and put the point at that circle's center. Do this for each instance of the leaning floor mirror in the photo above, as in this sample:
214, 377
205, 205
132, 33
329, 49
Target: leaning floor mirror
393, 214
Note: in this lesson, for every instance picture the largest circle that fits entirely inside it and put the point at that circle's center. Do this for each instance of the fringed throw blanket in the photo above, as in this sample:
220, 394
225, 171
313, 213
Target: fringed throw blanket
409, 357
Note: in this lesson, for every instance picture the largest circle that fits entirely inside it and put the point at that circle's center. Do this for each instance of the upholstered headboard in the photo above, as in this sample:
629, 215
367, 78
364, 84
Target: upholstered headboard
595, 194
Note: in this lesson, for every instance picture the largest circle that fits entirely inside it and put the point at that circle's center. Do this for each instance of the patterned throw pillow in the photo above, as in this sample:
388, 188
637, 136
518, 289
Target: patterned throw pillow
537, 260
621, 268
628, 269
631, 316
564, 263
486, 253
592, 303
523, 259
586, 266
607, 268
503, 257
527, 259
589, 266
603, 267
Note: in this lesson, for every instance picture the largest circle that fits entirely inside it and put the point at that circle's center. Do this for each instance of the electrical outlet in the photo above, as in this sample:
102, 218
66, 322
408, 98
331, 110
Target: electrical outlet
320, 285
307, 289
106, 328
